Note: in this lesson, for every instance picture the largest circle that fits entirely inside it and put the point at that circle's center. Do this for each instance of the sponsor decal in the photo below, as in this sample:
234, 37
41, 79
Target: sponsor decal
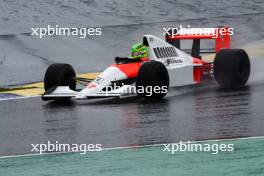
174, 61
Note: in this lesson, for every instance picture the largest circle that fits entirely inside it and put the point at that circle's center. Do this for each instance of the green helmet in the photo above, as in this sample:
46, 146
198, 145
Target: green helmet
139, 51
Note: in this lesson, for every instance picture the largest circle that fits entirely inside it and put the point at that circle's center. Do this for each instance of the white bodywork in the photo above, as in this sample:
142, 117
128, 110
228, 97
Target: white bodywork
181, 72
179, 65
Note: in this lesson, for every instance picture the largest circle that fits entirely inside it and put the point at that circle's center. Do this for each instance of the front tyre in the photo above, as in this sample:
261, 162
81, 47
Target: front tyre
153, 80
231, 68
59, 74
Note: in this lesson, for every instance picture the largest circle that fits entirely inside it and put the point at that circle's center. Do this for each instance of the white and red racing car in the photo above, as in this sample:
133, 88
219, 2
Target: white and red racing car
167, 66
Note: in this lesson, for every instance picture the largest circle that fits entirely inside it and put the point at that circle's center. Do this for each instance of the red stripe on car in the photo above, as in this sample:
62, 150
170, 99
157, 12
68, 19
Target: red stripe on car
129, 69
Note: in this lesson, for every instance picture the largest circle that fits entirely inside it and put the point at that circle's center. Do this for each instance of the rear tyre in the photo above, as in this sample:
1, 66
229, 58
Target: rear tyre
59, 74
153, 80
231, 68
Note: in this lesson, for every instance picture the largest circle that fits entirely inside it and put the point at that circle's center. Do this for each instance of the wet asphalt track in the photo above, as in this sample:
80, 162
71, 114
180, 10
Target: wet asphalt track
25, 58
199, 113
195, 113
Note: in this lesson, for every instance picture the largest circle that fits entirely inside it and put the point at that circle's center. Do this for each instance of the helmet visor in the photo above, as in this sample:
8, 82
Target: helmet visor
137, 54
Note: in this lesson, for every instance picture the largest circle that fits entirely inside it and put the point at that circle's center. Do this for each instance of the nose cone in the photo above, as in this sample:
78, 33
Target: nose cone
112, 73
86, 92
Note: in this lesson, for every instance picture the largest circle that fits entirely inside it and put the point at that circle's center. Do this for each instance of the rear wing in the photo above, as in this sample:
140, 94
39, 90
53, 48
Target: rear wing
221, 36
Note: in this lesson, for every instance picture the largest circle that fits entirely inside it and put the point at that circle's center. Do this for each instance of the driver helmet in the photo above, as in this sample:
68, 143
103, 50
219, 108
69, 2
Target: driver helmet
139, 51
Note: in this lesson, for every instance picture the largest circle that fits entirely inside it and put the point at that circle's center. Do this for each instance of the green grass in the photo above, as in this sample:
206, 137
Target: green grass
246, 159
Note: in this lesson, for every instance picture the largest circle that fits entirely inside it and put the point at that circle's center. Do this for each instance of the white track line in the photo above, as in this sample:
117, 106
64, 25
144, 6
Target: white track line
18, 98
133, 147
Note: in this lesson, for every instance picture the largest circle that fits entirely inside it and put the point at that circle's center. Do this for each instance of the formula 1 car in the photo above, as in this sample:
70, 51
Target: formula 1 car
166, 66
